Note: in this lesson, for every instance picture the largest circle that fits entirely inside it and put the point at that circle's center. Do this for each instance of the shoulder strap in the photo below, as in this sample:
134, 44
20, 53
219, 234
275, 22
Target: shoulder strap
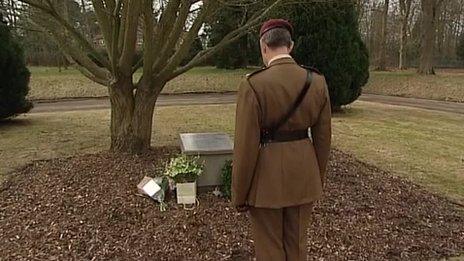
256, 72
296, 104
313, 69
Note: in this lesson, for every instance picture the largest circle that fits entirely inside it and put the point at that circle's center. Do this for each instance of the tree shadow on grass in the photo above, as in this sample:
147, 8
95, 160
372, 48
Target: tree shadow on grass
14, 122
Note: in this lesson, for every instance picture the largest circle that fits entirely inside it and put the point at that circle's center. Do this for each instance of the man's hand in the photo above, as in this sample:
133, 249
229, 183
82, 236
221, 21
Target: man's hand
243, 208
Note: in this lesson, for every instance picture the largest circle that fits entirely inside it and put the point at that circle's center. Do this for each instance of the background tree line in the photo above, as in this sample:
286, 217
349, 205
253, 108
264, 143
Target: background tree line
397, 33
393, 31
401, 33
317, 36
38, 49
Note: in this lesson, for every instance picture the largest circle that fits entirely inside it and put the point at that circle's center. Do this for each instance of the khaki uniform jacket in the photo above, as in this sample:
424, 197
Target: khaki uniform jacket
280, 174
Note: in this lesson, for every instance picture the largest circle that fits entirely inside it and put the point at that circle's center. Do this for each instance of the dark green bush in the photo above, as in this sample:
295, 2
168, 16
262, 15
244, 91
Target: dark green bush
242, 52
327, 37
226, 178
14, 76
196, 47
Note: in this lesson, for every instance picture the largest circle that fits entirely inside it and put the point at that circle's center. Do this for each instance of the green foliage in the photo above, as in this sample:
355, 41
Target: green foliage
226, 179
327, 37
196, 47
184, 169
40, 50
241, 53
14, 76
460, 49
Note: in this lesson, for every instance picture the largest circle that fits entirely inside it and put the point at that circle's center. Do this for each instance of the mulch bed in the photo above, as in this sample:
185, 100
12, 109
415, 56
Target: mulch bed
86, 208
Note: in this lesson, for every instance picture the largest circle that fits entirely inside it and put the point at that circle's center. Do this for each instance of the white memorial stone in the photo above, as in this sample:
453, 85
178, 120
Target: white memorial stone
213, 148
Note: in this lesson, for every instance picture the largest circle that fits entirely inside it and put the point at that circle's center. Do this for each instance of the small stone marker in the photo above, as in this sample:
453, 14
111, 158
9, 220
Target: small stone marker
148, 187
214, 149
186, 193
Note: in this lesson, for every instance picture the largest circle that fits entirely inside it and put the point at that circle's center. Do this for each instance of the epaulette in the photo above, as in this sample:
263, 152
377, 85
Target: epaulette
312, 69
256, 72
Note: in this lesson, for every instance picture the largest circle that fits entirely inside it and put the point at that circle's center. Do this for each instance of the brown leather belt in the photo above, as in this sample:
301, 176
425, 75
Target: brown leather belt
272, 134
283, 136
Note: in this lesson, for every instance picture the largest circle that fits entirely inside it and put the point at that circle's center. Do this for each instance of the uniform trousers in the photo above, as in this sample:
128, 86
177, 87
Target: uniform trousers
281, 234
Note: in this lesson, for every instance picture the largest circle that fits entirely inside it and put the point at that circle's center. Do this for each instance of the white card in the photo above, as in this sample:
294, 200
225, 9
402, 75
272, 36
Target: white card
151, 188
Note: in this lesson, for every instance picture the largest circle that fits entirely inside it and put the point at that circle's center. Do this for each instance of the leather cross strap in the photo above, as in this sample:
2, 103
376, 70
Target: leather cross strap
287, 136
271, 134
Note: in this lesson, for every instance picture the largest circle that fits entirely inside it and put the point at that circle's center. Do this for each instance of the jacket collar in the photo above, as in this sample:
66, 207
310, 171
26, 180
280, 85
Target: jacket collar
287, 59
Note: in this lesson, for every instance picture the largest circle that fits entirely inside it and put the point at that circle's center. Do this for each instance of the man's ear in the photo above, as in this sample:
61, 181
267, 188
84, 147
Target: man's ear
291, 47
262, 46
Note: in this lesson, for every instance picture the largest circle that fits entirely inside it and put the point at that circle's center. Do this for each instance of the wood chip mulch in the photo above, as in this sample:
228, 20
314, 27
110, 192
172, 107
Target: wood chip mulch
86, 208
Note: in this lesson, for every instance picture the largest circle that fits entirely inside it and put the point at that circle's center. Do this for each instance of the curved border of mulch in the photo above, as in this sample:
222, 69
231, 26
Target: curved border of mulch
86, 207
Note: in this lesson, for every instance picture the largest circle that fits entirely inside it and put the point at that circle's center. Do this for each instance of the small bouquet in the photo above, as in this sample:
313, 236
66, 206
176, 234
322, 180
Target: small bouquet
155, 188
184, 171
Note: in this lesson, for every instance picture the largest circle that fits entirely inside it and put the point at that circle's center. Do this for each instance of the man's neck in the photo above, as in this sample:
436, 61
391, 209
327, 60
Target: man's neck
278, 57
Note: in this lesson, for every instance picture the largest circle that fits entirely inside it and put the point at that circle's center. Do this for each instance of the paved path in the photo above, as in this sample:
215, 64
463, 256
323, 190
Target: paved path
444, 106
104, 103
229, 98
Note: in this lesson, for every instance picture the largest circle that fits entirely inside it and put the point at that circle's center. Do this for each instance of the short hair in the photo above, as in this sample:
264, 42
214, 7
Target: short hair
277, 37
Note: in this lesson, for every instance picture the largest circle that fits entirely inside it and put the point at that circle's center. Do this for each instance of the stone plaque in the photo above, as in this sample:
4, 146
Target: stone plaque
206, 143
214, 150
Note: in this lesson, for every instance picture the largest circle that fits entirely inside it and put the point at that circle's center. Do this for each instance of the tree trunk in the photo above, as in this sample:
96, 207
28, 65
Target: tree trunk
382, 64
131, 117
405, 10
403, 41
429, 15
372, 37
59, 63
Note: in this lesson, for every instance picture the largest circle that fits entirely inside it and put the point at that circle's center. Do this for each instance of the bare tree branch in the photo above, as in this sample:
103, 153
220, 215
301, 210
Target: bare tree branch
52, 12
165, 23
229, 38
103, 18
93, 71
148, 41
130, 36
174, 36
186, 43
115, 31
88, 74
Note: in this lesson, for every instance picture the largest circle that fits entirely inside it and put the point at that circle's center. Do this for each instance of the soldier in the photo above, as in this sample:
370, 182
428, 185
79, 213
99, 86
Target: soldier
282, 146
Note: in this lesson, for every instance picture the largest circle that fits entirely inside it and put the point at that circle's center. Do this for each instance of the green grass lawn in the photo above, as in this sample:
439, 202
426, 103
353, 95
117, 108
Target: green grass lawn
426, 147
447, 85
51, 135
423, 146
48, 83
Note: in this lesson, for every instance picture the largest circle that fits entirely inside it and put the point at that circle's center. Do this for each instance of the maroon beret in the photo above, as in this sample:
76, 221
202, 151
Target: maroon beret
275, 23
